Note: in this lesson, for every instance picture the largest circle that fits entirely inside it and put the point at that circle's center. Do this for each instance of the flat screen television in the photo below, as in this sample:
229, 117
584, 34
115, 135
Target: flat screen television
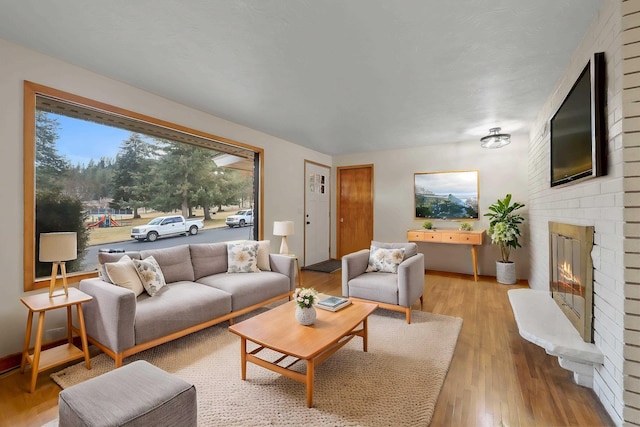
578, 128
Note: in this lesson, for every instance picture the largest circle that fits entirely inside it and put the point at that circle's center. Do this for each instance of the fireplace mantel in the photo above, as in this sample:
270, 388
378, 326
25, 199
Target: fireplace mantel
541, 322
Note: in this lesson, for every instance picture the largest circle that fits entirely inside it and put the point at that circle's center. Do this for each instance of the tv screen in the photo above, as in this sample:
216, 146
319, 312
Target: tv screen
578, 130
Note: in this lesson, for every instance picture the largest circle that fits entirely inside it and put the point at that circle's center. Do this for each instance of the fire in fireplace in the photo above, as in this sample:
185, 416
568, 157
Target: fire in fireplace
571, 274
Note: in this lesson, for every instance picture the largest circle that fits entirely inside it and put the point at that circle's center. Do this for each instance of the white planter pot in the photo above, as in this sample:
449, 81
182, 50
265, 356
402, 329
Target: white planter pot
306, 316
506, 272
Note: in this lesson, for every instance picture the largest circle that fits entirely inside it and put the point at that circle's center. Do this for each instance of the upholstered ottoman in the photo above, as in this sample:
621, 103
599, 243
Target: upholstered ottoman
137, 394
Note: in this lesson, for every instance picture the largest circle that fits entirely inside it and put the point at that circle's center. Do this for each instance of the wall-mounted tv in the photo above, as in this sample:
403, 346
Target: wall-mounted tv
578, 128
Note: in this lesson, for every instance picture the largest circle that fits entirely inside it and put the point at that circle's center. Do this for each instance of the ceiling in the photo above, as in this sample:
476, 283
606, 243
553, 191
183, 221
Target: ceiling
337, 76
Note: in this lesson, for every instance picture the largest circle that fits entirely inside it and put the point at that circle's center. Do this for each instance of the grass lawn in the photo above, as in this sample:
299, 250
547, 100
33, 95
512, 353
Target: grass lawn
99, 236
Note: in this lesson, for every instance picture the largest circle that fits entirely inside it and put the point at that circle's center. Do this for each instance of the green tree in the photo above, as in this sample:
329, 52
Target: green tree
131, 174
50, 166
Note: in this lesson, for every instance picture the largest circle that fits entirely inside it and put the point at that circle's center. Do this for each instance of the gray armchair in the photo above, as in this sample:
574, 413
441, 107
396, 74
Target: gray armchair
392, 291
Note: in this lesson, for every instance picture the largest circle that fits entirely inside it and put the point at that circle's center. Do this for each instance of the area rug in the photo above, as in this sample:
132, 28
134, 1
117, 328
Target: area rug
328, 266
396, 382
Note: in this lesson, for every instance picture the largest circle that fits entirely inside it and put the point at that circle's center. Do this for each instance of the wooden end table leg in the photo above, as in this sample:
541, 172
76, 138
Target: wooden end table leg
36, 352
83, 337
310, 375
27, 341
69, 326
243, 357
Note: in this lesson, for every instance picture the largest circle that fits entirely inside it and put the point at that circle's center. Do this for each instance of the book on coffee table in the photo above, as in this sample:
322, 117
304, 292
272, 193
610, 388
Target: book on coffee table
333, 303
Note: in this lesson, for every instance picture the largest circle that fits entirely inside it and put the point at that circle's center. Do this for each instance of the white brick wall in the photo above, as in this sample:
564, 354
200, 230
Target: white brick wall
599, 202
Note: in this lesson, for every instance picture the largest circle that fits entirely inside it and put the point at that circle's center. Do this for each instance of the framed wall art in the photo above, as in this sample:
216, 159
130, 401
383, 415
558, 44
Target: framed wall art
446, 195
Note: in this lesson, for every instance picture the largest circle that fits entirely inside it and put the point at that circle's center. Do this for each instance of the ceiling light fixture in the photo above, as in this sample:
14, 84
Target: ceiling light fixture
495, 139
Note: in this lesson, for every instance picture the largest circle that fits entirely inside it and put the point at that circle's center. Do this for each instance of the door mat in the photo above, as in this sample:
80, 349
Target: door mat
328, 266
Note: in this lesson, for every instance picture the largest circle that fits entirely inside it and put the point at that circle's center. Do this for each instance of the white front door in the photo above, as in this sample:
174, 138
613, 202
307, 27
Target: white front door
317, 214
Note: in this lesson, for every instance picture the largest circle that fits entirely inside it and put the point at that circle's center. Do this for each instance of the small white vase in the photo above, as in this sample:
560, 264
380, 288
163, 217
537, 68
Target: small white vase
306, 316
506, 272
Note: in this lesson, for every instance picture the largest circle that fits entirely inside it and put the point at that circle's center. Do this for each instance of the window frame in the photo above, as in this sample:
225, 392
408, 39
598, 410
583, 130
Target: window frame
31, 91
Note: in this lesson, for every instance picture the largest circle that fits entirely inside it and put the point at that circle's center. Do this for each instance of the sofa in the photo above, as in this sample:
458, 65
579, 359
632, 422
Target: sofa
196, 286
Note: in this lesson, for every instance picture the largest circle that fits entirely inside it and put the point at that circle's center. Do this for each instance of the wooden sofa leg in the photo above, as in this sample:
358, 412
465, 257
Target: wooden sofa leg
421, 302
408, 311
118, 360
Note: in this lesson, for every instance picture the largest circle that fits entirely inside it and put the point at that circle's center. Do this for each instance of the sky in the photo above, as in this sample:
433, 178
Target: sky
80, 140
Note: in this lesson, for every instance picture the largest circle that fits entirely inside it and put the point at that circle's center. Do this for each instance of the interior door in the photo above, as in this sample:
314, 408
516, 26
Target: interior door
355, 208
317, 215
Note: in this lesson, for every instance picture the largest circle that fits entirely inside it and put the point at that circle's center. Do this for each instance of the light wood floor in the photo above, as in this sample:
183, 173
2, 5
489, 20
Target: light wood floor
496, 378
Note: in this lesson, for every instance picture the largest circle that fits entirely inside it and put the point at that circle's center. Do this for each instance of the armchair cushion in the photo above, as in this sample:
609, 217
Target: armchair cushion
410, 248
384, 260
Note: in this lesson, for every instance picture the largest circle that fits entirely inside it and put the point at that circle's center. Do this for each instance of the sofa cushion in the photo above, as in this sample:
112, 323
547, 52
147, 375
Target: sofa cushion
208, 259
384, 260
242, 257
175, 262
382, 287
410, 249
249, 289
150, 274
123, 273
264, 248
178, 306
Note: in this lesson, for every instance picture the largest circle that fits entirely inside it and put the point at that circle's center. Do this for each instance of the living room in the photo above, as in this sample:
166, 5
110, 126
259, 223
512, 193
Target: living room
521, 169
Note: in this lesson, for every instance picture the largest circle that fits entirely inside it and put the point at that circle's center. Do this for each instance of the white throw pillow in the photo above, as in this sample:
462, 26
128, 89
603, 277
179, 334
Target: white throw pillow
123, 273
264, 248
150, 274
242, 257
384, 260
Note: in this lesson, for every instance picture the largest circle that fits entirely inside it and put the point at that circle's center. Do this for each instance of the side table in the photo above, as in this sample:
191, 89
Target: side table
42, 360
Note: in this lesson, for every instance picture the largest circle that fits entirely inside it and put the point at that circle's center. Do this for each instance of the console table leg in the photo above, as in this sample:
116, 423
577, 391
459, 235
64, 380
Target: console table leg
474, 258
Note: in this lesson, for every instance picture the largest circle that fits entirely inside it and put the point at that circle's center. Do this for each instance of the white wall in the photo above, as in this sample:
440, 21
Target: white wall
283, 171
501, 171
598, 202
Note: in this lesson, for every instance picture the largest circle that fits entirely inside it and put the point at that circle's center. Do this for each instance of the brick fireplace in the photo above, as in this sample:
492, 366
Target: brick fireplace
571, 274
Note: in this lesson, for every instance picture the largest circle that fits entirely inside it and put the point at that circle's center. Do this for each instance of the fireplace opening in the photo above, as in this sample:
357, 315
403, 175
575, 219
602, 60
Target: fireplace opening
571, 274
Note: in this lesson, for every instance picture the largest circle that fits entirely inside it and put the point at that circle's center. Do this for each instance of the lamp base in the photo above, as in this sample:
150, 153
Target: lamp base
284, 248
54, 274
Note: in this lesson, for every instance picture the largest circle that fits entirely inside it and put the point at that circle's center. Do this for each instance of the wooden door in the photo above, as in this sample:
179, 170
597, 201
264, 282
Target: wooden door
355, 208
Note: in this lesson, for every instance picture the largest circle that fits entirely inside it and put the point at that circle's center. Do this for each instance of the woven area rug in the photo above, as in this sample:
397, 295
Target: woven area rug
328, 266
396, 382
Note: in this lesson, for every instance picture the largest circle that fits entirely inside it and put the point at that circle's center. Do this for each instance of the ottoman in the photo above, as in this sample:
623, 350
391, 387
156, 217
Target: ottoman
137, 394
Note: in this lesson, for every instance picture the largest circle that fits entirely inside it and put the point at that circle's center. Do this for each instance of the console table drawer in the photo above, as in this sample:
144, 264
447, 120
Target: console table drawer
423, 236
462, 238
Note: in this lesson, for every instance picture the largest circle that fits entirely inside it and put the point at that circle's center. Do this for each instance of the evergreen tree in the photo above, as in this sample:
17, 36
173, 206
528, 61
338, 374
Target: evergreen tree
50, 166
131, 174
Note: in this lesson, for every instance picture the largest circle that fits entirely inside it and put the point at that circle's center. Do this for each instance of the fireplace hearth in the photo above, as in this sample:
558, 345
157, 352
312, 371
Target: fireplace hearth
571, 274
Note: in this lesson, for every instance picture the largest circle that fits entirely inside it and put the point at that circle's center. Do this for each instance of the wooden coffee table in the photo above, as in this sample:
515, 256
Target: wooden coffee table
278, 330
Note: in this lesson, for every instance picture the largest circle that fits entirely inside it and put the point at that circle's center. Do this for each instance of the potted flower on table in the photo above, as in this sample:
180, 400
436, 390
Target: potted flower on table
504, 230
305, 298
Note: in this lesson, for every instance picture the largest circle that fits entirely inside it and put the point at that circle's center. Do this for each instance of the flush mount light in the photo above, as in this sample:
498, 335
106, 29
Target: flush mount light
495, 139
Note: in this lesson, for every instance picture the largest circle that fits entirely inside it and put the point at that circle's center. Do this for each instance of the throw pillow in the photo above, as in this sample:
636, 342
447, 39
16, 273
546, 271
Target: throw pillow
123, 273
242, 257
385, 260
150, 274
264, 248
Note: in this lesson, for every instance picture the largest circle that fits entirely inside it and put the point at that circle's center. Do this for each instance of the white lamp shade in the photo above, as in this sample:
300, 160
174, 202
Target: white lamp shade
55, 247
283, 228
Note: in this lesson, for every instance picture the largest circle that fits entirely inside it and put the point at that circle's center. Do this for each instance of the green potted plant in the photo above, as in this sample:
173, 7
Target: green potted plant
466, 226
428, 225
504, 230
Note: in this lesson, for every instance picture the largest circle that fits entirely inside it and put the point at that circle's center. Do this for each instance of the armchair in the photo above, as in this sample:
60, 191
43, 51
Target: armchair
392, 291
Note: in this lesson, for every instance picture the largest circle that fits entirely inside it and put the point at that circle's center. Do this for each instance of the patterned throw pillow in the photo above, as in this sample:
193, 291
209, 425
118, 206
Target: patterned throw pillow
150, 274
384, 260
242, 257
123, 273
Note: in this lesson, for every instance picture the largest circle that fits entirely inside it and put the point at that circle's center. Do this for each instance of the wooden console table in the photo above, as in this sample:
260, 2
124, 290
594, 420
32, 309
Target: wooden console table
457, 237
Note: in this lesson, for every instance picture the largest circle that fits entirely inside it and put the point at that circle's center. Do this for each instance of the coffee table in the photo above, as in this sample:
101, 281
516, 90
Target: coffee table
278, 330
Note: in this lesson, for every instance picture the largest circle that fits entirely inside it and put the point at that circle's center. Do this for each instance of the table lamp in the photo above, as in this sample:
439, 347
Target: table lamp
284, 229
58, 248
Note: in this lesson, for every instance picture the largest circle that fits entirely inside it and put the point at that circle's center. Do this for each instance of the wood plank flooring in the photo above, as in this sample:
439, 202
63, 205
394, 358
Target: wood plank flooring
496, 378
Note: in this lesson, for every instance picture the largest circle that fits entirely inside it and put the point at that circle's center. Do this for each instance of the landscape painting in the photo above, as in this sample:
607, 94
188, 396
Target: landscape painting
446, 195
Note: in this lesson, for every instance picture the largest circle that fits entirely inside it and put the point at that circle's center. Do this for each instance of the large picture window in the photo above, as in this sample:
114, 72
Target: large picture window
105, 173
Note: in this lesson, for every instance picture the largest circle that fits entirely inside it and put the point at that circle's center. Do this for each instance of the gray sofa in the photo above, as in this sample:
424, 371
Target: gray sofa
199, 293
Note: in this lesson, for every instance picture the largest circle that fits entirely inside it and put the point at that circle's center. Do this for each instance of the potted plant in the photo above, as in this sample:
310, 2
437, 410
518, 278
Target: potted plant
428, 225
466, 226
305, 298
504, 230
